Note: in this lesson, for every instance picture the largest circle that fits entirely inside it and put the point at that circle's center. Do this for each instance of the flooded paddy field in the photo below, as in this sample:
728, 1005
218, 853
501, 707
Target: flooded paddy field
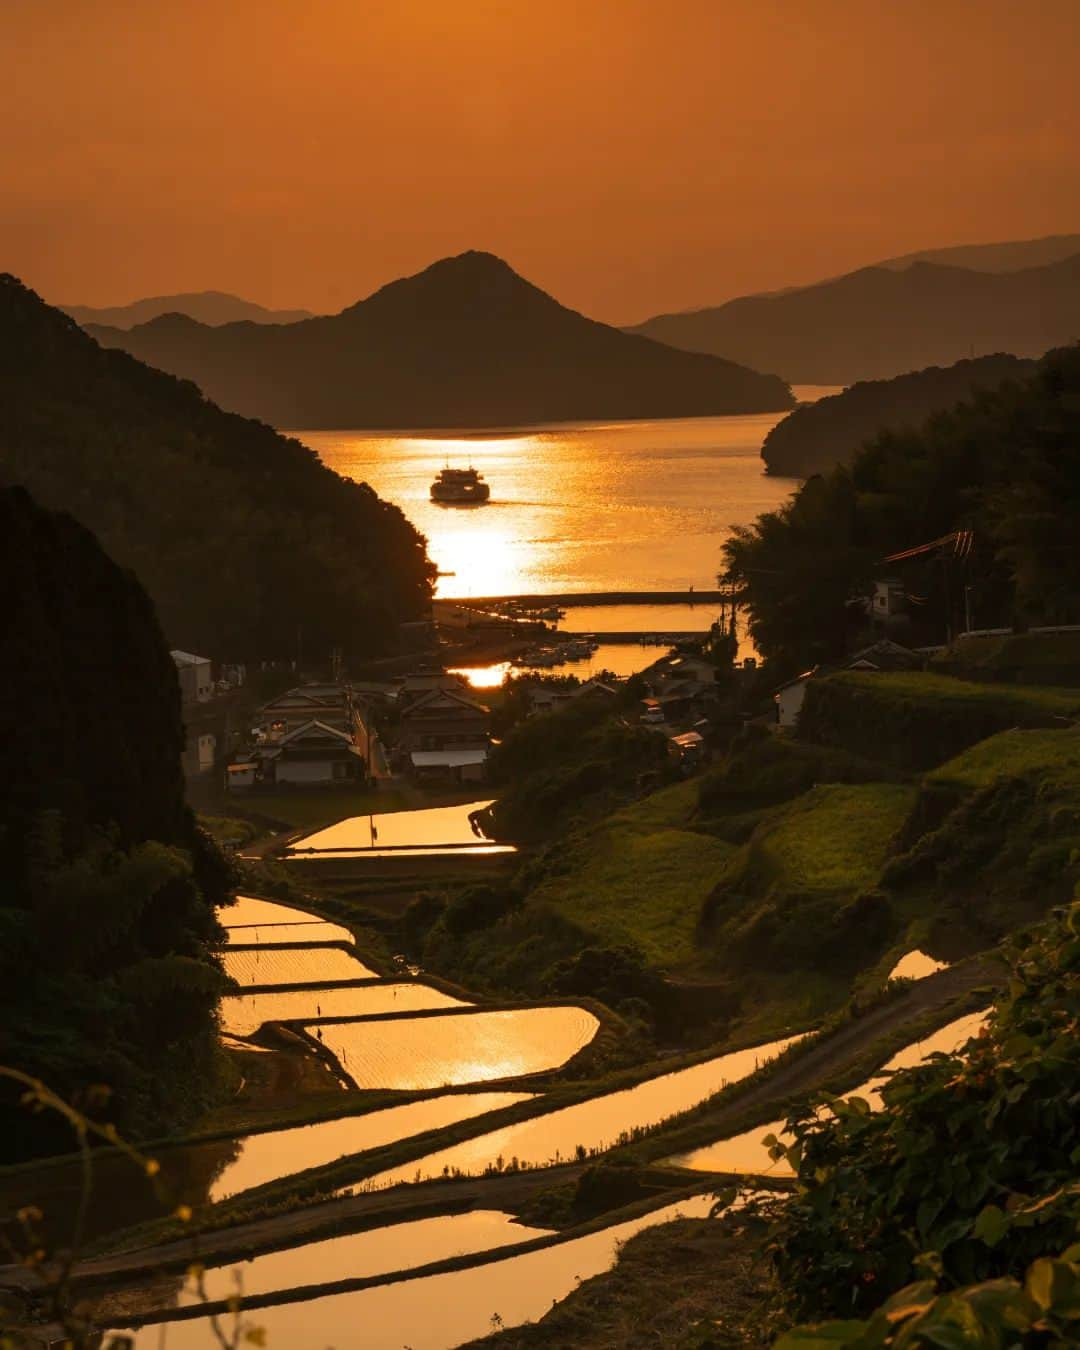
587, 1126
267, 965
243, 1014
456, 1047
745, 1152
433, 1312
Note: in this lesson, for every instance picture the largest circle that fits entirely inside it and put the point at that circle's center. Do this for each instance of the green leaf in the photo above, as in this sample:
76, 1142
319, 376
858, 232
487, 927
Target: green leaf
991, 1225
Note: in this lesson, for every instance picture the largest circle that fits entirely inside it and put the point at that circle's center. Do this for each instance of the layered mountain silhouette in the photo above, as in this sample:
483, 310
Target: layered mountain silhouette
818, 436
465, 343
209, 307
1011, 256
884, 321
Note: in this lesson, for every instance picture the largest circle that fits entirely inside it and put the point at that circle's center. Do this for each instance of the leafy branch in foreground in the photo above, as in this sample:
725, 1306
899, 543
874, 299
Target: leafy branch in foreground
922, 1220
58, 1303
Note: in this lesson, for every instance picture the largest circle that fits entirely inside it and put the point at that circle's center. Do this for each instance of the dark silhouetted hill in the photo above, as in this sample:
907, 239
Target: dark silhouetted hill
465, 343
879, 322
209, 307
818, 436
250, 548
107, 890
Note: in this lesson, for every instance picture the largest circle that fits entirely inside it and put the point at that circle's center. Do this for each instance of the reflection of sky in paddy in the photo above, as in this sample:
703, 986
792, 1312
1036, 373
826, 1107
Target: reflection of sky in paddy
426, 828
293, 965
592, 1124
278, 1153
746, 1152
429, 1052
243, 1014
399, 1246
641, 505
440, 1311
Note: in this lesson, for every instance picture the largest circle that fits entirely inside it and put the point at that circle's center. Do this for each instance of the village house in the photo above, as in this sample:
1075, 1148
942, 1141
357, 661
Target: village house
312, 754
326, 703
444, 735
195, 676
789, 698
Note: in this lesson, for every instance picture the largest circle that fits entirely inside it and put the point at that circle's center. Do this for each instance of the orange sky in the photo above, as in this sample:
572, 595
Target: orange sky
628, 155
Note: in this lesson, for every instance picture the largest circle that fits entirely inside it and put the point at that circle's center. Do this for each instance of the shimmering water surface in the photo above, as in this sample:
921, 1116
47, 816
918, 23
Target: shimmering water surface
593, 1124
428, 1052
243, 1014
746, 1153
278, 1153
416, 829
595, 507
293, 965
399, 1246
440, 1311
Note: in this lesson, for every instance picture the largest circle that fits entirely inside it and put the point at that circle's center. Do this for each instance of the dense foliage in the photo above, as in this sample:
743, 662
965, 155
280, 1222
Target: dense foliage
250, 548
558, 768
107, 889
968, 1174
818, 436
1004, 466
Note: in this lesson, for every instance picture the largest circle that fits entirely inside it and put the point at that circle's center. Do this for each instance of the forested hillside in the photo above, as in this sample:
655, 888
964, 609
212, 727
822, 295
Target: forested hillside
248, 546
1003, 466
107, 890
815, 437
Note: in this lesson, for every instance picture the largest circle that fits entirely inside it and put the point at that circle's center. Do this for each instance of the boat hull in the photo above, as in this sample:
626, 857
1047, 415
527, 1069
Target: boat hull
460, 496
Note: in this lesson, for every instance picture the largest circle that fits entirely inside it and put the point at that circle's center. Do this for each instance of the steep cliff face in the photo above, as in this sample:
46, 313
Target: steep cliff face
107, 892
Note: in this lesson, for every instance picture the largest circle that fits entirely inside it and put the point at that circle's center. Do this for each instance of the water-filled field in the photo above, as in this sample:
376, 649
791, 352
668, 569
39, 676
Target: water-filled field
746, 1152
592, 1125
437, 1312
243, 1014
279, 1153
428, 1052
428, 828
293, 965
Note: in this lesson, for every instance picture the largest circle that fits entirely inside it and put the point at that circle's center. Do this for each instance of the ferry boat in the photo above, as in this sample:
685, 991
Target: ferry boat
459, 487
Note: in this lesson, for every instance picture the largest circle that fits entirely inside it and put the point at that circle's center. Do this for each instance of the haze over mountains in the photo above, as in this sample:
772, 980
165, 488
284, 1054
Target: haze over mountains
209, 307
466, 342
882, 321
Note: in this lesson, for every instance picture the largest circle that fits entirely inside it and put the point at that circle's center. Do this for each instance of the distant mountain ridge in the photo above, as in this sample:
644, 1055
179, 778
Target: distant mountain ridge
816, 437
1013, 255
212, 308
883, 321
465, 343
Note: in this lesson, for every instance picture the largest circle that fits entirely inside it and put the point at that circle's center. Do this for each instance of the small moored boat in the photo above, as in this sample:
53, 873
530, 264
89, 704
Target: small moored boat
459, 487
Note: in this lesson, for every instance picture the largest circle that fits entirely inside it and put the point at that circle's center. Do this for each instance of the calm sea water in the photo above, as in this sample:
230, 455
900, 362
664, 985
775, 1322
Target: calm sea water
599, 506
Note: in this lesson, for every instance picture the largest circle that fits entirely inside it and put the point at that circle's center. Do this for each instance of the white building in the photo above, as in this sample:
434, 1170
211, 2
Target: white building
790, 697
195, 676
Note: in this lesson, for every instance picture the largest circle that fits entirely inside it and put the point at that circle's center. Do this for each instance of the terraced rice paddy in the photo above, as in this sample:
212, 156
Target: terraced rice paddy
243, 1014
436, 1312
430, 1052
293, 965
746, 1153
399, 1246
591, 1125
279, 1153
